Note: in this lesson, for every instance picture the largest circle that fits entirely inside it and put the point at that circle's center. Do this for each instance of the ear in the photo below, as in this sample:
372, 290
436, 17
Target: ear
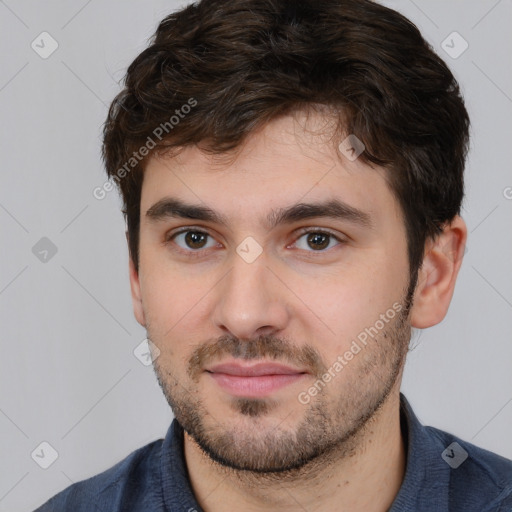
138, 310
438, 273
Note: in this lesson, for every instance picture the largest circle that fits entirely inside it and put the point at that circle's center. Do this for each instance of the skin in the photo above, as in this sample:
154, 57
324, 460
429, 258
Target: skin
343, 450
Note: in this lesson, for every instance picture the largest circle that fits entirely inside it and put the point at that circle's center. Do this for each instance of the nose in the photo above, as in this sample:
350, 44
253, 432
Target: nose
250, 301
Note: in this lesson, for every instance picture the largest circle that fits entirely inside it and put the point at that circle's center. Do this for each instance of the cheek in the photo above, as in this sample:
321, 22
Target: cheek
163, 285
169, 306
343, 304
176, 307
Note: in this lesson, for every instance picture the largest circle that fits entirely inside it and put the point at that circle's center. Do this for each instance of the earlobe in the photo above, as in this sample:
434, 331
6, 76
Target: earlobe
138, 310
438, 274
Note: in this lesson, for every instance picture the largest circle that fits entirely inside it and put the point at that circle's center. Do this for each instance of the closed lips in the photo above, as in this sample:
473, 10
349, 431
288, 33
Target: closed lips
256, 370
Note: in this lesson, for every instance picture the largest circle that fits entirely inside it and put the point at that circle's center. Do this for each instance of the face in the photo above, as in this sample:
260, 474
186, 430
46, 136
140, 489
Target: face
274, 285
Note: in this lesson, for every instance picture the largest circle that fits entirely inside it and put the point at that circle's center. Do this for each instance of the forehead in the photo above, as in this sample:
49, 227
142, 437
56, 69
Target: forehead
290, 160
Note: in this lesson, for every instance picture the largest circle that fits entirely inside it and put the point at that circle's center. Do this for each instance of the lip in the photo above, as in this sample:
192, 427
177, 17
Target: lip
238, 369
254, 380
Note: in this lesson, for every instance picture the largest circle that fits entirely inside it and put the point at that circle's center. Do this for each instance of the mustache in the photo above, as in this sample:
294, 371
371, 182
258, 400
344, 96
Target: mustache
269, 347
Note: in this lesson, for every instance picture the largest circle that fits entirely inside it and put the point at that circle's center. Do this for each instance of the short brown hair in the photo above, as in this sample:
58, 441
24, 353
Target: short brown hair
240, 63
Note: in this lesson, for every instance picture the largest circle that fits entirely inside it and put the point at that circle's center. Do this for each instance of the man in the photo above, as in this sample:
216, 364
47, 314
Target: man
292, 176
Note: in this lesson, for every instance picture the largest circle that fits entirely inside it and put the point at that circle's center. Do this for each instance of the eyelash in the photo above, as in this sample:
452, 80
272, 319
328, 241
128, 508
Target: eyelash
199, 252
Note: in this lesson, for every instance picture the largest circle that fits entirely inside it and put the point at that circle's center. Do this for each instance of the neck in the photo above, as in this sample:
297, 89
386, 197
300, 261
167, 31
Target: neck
364, 476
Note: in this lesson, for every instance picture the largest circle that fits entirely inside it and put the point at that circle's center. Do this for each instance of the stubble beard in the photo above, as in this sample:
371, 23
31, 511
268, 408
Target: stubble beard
332, 425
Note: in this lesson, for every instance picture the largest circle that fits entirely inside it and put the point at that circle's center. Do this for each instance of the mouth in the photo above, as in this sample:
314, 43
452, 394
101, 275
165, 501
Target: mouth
254, 380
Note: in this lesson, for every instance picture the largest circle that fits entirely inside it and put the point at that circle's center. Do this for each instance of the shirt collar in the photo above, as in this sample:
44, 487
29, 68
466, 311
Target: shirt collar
427, 476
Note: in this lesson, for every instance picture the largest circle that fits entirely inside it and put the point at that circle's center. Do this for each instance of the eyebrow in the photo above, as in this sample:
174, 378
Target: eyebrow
169, 207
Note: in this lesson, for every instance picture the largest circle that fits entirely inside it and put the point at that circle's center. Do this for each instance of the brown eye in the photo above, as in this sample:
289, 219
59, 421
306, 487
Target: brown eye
316, 241
195, 239
192, 240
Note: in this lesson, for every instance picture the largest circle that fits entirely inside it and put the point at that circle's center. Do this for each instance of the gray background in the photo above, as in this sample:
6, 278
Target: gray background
68, 374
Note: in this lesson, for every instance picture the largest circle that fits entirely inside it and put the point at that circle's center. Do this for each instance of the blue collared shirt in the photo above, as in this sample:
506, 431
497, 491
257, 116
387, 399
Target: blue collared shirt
443, 474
